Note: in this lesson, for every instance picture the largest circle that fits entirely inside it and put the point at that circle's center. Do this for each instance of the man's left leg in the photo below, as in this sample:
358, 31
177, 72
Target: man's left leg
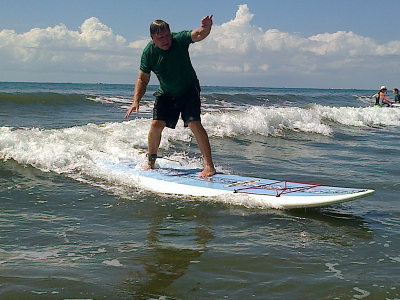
204, 146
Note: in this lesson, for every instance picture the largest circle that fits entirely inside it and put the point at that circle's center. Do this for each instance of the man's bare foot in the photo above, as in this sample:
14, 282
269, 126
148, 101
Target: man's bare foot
151, 163
148, 165
207, 172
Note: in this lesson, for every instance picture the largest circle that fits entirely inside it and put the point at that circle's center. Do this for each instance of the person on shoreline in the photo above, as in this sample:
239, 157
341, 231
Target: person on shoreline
381, 99
396, 95
167, 55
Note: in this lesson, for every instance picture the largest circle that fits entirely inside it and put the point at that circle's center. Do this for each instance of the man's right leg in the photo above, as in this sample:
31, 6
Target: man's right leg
154, 139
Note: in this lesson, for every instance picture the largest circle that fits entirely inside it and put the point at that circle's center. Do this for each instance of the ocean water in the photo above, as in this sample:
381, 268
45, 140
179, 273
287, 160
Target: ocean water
70, 230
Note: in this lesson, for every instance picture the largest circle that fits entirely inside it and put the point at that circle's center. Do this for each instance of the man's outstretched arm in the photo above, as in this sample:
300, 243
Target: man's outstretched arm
203, 31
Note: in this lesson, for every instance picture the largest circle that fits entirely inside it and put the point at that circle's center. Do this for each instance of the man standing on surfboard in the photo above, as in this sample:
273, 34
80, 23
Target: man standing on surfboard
167, 55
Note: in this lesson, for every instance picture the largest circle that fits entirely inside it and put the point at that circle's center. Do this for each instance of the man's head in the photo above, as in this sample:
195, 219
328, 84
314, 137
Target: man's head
161, 34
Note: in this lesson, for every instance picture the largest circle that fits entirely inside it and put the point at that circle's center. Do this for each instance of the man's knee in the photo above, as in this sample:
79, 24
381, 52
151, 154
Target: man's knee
195, 124
197, 128
157, 125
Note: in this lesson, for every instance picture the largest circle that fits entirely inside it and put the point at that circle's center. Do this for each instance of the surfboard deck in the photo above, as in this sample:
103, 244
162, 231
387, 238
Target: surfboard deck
282, 194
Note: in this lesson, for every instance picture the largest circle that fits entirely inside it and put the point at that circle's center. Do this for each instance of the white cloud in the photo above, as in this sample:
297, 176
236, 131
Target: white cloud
244, 43
58, 49
139, 44
98, 36
236, 53
246, 49
342, 43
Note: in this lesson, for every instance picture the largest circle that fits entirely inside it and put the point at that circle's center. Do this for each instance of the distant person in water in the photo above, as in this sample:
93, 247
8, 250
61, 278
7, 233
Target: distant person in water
396, 95
167, 55
381, 99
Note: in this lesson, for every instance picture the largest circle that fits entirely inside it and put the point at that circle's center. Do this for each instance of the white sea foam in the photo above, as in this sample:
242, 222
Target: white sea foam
79, 148
76, 151
359, 116
113, 263
37, 255
267, 121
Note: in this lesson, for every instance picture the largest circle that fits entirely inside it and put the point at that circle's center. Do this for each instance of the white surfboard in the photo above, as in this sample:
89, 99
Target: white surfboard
272, 193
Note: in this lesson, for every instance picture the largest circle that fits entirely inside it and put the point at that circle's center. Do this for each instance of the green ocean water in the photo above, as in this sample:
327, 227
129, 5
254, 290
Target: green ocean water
69, 231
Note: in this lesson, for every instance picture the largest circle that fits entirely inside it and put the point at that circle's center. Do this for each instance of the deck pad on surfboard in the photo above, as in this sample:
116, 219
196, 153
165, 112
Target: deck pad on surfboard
274, 193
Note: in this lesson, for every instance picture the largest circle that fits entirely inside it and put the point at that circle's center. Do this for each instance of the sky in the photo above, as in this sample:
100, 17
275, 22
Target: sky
263, 43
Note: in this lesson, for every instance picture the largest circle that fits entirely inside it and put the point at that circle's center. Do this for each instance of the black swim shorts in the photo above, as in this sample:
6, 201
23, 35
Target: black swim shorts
169, 109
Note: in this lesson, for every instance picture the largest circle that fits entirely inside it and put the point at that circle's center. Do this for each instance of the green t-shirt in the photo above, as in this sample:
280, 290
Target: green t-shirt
173, 67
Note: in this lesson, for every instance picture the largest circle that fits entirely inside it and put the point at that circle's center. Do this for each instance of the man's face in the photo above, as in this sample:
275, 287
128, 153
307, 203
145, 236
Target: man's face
162, 39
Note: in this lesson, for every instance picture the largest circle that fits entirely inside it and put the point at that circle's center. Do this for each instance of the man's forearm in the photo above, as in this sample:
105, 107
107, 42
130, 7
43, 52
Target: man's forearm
140, 89
204, 30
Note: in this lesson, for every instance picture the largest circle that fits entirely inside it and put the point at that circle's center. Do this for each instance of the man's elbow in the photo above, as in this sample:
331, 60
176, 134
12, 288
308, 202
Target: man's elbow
143, 78
200, 37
